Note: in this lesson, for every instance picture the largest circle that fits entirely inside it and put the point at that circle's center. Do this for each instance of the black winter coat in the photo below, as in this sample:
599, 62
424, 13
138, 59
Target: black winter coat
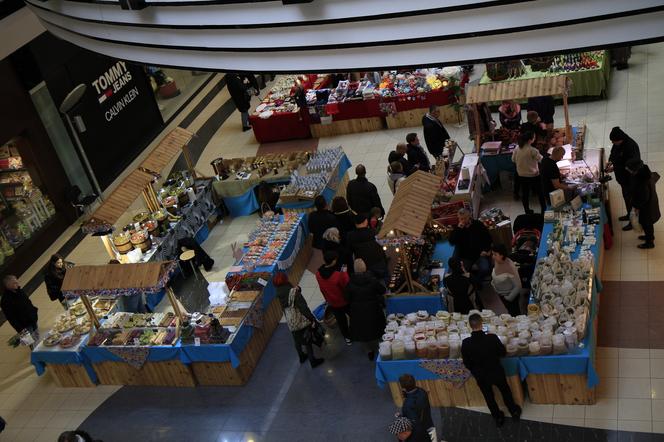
620, 155
18, 309
417, 158
54, 286
481, 355
435, 136
345, 224
362, 196
319, 221
405, 164
365, 295
363, 245
238, 91
416, 407
644, 195
469, 242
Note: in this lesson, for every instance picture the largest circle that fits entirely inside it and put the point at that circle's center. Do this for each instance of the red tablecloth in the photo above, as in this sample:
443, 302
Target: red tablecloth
438, 97
280, 127
350, 109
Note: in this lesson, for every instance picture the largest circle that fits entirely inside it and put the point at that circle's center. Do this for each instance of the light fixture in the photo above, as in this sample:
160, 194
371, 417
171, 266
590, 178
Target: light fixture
445, 83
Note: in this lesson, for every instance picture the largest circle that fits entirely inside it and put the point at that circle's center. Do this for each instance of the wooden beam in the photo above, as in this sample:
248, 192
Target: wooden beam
88, 306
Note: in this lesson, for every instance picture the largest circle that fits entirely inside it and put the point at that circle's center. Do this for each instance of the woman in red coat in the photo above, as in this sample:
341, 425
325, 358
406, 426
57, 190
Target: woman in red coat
332, 284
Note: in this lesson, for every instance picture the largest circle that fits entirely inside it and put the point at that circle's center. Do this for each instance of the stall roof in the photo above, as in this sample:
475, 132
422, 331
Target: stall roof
167, 149
118, 201
117, 279
517, 89
411, 206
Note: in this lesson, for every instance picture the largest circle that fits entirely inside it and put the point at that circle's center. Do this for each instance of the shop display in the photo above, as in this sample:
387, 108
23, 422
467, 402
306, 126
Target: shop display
310, 180
576, 62
268, 240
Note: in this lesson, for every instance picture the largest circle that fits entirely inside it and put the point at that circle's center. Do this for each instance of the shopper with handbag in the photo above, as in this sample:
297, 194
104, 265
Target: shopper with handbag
416, 406
301, 322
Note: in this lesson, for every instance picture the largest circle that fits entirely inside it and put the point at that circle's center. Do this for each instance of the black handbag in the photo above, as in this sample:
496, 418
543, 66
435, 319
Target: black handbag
315, 334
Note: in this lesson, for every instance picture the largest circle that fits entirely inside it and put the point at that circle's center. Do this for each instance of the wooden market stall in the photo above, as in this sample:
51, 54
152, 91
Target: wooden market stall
172, 145
122, 280
518, 90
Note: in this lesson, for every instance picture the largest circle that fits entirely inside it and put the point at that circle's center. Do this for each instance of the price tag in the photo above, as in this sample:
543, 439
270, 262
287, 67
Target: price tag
136, 342
262, 282
197, 342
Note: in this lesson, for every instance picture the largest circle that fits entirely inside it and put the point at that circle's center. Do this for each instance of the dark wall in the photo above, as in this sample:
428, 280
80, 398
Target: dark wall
121, 125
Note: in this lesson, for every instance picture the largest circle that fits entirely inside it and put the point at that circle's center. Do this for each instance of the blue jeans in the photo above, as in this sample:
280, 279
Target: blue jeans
245, 119
134, 304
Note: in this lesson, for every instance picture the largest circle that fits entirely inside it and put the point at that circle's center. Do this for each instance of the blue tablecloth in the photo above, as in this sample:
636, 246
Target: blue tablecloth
242, 205
39, 359
328, 193
389, 371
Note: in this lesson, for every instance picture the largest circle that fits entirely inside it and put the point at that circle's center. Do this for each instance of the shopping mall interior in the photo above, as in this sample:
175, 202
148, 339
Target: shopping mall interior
176, 217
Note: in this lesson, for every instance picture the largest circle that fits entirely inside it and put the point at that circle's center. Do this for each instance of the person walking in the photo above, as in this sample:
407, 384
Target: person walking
298, 317
17, 307
53, 278
367, 318
624, 149
505, 280
319, 221
416, 406
361, 194
241, 86
644, 199
435, 133
332, 284
527, 160
481, 355
363, 245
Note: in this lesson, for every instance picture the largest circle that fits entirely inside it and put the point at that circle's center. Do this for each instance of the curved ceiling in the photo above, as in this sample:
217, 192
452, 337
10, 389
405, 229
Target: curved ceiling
336, 35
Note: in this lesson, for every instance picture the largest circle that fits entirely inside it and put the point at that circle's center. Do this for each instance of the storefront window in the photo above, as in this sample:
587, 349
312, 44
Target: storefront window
173, 87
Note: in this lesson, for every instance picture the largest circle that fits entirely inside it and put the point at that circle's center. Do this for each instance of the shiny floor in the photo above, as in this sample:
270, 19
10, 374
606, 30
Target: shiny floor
318, 404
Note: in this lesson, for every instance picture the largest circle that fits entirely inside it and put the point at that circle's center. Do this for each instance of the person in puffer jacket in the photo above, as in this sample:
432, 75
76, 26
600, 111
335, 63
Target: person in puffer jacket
332, 284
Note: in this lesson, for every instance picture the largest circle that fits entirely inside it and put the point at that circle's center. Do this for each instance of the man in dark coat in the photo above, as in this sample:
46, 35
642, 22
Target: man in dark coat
400, 155
435, 133
472, 245
416, 406
481, 354
362, 195
17, 307
623, 150
367, 318
363, 245
238, 86
320, 220
417, 157
644, 199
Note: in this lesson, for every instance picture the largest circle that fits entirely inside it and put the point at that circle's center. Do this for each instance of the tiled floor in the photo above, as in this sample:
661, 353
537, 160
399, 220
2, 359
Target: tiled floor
631, 365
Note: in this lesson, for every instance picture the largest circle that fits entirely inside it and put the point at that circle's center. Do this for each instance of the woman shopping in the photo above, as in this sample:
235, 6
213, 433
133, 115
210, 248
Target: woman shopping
506, 281
299, 318
54, 276
527, 159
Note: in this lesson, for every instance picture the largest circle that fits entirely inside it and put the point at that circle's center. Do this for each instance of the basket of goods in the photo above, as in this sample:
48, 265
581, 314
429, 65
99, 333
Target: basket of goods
122, 242
539, 63
141, 240
497, 71
181, 194
151, 226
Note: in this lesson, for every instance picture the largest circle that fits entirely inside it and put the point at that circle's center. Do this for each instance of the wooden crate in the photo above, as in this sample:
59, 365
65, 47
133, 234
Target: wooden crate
413, 118
223, 373
344, 127
565, 389
444, 394
69, 375
165, 373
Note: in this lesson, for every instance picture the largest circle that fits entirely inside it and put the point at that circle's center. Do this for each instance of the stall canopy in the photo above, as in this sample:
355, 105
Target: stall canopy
168, 148
117, 280
411, 207
113, 207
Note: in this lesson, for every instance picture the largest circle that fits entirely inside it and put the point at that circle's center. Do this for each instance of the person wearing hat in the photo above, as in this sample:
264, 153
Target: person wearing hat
644, 199
624, 149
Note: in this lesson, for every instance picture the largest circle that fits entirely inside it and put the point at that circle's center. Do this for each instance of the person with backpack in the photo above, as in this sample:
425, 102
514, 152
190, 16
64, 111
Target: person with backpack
299, 318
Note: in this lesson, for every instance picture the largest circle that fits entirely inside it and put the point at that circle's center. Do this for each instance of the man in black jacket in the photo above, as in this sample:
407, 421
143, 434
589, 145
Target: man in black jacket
472, 245
435, 133
417, 157
319, 221
400, 155
644, 199
362, 196
239, 86
17, 307
362, 243
481, 354
623, 150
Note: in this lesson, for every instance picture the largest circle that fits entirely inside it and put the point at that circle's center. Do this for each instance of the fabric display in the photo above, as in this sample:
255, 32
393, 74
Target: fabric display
134, 356
450, 370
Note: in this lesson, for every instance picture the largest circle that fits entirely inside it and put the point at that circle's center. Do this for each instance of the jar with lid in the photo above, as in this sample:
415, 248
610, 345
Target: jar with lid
409, 347
398, 350
385, 350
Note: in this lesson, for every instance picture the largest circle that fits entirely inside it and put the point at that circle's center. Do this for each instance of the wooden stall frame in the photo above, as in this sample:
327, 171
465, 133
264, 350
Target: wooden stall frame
519, 90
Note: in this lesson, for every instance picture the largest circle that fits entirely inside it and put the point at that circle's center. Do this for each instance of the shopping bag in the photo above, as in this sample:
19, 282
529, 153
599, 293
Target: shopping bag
634, 220
315, 335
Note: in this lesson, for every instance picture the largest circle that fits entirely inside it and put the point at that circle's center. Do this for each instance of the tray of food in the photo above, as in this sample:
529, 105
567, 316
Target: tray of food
69, 341
244, 296
52, 339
